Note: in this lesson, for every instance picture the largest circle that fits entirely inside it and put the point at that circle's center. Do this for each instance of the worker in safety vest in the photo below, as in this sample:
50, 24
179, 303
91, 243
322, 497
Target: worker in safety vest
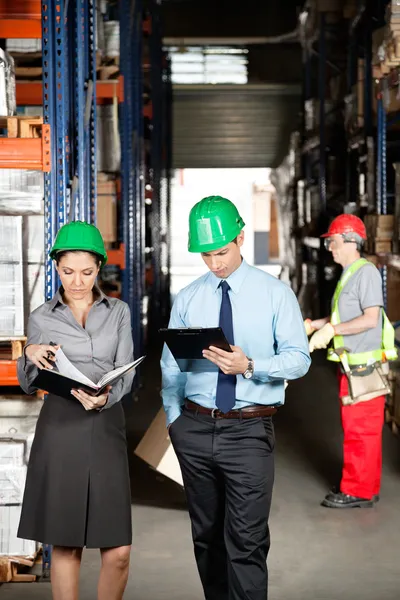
363, 338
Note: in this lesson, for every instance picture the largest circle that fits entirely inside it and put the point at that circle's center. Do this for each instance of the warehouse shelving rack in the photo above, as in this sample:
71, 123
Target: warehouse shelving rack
319, 146
370, 147
66, 153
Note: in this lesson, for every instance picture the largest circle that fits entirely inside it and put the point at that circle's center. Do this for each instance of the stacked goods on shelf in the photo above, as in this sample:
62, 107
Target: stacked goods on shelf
386, 42
392, 415
107, 207
312, 114
7, 85
11, 276
21, 248
108, 138
13, 465
33, 263
354, 102
380, 231
392, 287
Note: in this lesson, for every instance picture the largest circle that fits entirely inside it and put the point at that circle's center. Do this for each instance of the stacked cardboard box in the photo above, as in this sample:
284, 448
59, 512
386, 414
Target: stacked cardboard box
156, 449
392, 284
107, 207
393, 294
386, 42
380, 230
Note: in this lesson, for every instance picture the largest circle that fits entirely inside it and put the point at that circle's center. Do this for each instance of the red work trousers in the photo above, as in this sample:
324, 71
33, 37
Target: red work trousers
362, 445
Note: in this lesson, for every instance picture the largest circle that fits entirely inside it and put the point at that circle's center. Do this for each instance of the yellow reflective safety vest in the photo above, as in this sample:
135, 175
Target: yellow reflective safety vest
388, 349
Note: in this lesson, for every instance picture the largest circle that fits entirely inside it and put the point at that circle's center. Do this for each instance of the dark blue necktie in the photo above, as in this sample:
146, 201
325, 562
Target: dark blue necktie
226, 386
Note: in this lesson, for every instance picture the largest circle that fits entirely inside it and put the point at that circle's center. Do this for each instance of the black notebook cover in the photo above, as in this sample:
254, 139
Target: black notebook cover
187, 345
59, 385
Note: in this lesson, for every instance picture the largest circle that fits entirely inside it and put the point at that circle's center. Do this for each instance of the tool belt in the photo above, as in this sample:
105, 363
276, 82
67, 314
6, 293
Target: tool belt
365, 382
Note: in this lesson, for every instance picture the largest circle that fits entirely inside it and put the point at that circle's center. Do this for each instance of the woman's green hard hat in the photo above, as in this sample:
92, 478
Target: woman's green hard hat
79, 235
214, 222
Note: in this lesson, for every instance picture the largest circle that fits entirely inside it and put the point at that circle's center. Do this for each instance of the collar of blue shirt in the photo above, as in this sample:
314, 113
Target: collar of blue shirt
235, 280
57, 299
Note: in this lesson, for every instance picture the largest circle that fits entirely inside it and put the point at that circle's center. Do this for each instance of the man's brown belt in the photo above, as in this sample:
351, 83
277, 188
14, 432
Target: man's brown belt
250, 412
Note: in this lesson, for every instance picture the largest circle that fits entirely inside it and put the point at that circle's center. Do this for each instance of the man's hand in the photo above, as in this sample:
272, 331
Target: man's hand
230, 363
321, 338
91, 402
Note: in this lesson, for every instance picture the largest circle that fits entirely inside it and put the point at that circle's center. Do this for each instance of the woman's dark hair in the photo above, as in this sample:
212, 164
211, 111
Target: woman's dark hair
97, 257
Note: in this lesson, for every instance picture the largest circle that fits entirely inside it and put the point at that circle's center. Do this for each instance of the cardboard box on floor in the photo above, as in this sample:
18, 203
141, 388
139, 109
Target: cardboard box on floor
156, 449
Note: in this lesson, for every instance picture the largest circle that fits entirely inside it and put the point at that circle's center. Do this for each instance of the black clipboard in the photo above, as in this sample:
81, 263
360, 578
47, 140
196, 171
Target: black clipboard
187, 344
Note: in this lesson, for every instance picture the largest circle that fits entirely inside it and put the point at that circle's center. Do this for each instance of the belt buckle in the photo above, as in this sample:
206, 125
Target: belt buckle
214, 410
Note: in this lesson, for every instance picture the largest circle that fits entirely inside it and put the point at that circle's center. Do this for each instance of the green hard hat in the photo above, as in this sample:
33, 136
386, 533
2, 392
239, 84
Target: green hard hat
79, 235
214, 222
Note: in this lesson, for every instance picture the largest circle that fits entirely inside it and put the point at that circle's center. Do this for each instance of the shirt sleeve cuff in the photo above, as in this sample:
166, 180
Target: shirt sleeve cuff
262, 368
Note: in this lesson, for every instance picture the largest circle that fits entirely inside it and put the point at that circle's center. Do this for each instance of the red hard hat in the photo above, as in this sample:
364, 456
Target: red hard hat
347, 224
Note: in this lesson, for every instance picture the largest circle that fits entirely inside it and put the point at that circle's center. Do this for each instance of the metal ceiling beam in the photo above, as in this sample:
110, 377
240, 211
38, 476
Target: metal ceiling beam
289, 38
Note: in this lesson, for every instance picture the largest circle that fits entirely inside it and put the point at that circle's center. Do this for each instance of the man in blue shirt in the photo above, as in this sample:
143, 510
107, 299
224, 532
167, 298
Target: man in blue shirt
220, 423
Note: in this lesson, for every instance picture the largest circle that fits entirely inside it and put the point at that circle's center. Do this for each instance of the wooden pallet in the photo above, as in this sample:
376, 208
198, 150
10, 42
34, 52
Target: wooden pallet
105, 72
110, 60
22, 126
28, 73
13, 568
12, 348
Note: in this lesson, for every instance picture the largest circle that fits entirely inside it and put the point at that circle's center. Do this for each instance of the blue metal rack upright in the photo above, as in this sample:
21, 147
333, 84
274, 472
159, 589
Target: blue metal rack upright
133, 214
69, 107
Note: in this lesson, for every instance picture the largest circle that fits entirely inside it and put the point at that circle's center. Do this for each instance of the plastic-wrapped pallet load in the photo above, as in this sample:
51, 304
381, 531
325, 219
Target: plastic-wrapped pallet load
8, 104
108, 139
111, 39
25, 46
33, 265
21, 192
18, 417
11, 276
12, 484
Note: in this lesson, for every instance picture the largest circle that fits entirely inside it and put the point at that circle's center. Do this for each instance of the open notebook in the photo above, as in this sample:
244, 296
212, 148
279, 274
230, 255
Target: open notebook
67, 377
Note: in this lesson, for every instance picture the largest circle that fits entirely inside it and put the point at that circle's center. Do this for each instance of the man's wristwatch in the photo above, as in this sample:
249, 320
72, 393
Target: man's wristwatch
249, 372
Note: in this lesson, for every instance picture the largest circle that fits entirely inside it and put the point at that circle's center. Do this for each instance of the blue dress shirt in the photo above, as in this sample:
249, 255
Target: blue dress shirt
267, 325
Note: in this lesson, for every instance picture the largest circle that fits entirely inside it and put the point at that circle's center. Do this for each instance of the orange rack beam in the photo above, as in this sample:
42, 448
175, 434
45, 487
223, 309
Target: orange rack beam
20, 9
26, 153
20, 28
117, 257
8, 373
30, 93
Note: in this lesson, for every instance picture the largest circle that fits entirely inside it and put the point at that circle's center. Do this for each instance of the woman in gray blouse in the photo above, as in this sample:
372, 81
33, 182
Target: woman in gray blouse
77, 491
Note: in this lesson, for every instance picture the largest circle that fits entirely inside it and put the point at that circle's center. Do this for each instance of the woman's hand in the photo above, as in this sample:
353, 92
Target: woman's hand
41, 355
91, 402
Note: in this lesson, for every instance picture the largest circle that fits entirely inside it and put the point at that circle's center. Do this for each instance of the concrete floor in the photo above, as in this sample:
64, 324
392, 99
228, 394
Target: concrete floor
316, 554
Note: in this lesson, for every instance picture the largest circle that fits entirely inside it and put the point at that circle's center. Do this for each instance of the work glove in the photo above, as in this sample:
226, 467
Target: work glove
321, 338
307, 326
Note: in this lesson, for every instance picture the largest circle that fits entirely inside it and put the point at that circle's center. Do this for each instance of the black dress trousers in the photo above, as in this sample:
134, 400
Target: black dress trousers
228, 472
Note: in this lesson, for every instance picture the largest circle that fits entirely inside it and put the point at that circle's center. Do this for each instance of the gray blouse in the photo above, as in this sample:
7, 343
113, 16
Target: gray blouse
104, 344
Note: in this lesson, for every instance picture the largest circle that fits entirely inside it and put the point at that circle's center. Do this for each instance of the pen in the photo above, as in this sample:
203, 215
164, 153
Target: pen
50, 354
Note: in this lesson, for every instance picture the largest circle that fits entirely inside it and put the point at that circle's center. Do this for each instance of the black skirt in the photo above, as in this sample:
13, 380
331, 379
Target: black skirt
77, 490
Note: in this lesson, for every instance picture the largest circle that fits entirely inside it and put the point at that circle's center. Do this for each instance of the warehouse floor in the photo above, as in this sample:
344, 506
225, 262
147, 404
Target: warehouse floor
317, 553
